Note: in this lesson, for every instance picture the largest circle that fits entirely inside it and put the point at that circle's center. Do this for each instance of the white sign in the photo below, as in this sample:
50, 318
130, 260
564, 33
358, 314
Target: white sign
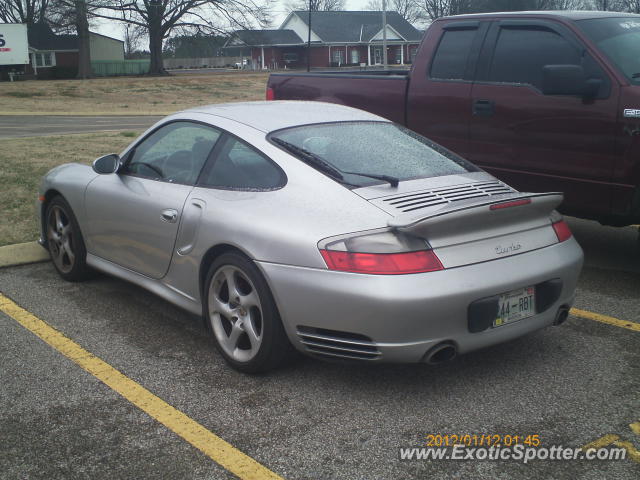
14, 46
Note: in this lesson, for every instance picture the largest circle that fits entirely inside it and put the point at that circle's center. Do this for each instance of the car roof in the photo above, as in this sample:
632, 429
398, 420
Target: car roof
566, 14
268, 116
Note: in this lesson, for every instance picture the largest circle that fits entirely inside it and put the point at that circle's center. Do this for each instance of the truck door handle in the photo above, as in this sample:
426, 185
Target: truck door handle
169, 215
484, 108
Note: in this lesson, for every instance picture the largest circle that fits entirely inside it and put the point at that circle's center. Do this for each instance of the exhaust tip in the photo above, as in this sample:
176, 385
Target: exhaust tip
441, 353
561, 315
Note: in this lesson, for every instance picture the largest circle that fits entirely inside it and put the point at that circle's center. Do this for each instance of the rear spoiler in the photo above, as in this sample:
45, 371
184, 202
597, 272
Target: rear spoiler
512, 206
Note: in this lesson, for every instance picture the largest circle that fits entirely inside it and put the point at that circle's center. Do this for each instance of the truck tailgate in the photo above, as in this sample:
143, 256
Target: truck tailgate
381, 94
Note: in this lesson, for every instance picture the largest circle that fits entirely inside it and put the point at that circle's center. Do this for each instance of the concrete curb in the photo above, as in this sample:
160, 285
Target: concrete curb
22, 253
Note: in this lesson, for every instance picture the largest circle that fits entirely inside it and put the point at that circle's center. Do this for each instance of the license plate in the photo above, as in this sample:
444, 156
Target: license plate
515, 305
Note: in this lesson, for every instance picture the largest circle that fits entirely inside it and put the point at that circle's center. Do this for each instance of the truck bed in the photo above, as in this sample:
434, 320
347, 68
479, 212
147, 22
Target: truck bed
354, 88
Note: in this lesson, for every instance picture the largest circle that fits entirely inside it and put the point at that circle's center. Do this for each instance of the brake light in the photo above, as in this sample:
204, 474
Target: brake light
271, 95
382, 263
514, 203
563, 232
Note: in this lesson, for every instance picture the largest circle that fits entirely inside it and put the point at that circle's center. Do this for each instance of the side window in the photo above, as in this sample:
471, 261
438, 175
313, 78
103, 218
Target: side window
174, 153
521, 53
238, 166
450, 60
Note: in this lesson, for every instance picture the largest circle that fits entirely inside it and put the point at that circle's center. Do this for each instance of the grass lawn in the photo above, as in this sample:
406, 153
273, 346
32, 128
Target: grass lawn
26, 160
129, 95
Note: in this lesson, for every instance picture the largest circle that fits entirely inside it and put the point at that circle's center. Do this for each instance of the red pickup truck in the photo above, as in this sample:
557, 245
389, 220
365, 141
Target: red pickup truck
544, 101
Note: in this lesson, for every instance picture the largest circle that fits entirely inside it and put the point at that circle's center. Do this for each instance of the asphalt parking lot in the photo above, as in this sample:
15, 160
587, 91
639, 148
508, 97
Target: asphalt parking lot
571, 385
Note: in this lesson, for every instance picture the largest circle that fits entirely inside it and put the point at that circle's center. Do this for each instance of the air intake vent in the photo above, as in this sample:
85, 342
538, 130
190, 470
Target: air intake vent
338, 344
441, 196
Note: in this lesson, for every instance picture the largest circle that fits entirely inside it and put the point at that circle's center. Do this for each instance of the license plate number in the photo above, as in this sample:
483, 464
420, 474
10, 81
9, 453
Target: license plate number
515, 305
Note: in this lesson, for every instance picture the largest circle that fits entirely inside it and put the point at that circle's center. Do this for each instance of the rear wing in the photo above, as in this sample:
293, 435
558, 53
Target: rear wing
499, 212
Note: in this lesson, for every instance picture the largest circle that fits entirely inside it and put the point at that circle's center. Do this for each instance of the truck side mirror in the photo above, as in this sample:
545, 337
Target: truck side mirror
568, 80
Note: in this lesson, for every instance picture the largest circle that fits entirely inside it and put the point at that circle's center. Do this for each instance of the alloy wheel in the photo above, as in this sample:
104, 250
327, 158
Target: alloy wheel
60, 239
235, 313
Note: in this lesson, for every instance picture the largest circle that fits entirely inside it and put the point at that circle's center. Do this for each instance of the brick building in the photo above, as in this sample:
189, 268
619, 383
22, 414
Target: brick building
337, 39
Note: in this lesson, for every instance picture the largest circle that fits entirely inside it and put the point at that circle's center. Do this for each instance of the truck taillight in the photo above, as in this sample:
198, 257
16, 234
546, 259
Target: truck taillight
271, 95
563, 232
379, 253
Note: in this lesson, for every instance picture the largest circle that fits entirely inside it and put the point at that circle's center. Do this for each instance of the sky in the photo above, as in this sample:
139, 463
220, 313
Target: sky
114, 29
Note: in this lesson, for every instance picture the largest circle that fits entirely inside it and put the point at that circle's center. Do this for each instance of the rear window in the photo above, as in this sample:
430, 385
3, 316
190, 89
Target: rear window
374, 148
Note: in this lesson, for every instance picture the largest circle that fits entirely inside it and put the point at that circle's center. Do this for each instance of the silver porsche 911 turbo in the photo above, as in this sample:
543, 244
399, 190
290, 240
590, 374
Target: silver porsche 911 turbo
319, 227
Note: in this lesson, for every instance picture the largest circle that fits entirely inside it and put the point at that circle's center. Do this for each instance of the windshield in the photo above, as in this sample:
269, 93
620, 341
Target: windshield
619, 39
371, 148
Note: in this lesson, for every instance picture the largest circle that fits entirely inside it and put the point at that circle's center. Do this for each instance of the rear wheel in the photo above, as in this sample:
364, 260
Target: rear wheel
242, 315
64, 241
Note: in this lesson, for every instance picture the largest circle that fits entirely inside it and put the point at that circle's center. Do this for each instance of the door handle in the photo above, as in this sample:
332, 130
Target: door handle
484, 108
169, 215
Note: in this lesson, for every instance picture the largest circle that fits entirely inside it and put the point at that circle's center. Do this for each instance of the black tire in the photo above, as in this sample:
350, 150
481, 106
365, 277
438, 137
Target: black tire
67, 250
274, 347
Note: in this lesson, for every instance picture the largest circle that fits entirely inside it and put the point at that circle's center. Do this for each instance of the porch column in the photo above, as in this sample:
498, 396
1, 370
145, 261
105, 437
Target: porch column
369, 54
329, 55
402, 54
346, 54
262, 56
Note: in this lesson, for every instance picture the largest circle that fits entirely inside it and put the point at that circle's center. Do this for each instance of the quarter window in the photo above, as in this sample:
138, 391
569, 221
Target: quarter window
174, 153
450, 60
238, 166
521, 53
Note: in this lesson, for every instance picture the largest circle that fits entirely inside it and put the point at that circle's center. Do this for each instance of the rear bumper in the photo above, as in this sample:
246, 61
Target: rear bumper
403, 316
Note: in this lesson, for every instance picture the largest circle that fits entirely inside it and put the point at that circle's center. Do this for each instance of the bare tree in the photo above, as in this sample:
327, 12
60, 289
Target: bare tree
74, 15
159, 18
632, 6
408, 9
442, 8
316, 5
606, 5
23, 11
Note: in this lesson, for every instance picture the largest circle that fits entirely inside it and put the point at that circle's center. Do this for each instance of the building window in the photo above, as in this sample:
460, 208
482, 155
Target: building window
46, 59
338, 56
355, 56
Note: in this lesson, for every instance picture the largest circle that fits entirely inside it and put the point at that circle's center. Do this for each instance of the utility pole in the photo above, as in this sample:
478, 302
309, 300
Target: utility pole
309, 40
384, 35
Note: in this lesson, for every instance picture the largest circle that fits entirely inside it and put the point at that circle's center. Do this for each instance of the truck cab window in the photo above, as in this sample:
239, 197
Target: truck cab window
450, 60
521, 53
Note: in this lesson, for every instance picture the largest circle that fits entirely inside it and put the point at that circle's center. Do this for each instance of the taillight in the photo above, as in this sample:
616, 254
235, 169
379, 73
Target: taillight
382, 263
271, 95
563, 232
379, 253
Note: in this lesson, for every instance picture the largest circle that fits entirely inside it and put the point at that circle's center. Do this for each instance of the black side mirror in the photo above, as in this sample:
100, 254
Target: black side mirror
107, 164
568, 80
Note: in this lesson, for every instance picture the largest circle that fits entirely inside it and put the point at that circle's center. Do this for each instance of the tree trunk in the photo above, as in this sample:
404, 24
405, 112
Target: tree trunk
84, 52
155, 47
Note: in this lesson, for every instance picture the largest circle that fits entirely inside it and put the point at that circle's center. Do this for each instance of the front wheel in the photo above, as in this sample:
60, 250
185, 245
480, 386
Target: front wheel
64, 241
243, 316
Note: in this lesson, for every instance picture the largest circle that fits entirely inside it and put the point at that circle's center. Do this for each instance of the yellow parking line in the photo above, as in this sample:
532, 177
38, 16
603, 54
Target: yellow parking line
601, 442
606, 319
210, 444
